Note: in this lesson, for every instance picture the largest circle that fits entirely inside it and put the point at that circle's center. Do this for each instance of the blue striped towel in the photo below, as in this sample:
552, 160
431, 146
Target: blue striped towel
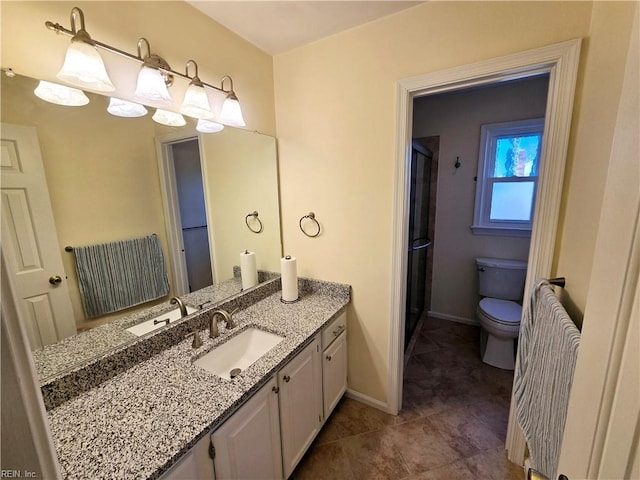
114, 276
547, 353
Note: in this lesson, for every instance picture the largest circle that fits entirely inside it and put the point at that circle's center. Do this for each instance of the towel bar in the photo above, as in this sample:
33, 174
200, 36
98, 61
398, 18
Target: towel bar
558, 282
69, 248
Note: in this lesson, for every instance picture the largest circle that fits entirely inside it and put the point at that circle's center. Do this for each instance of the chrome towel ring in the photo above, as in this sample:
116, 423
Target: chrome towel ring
253, 214
311, 216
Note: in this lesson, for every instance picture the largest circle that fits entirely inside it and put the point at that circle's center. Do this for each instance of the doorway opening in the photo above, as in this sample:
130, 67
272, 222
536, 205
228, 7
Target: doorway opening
457, 119
445, 365
181, 178
193, 213
560, 61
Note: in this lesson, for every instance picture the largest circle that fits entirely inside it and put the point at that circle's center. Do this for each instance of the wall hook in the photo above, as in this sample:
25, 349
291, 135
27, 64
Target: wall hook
457, 164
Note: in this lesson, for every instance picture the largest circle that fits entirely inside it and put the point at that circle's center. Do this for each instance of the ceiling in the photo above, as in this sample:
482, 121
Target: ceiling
279, 26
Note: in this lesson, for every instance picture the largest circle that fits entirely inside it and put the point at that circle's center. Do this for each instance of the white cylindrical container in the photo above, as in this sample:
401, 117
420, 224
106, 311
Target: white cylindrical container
248, 269
289, 279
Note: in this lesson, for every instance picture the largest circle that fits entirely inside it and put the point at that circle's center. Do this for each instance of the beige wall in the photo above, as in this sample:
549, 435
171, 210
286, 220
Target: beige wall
175, 30
241, 176
457, 118
335, 105
599, 87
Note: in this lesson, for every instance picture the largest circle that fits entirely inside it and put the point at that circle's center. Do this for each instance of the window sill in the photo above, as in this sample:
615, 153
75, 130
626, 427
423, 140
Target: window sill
501, 231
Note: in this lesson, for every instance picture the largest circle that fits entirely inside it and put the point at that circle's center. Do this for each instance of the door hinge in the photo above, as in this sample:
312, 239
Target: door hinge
212, 451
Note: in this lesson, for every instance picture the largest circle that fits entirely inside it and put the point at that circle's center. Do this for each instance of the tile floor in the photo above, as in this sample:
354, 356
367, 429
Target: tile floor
452, 426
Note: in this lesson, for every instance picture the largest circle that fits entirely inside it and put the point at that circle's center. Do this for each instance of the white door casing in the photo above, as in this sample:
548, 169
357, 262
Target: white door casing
560, 61
29, 240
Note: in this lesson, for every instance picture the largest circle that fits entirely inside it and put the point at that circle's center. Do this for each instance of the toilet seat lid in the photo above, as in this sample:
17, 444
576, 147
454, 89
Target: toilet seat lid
502, 311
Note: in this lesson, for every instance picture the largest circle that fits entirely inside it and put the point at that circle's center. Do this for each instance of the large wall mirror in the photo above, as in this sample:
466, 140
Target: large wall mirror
105, 183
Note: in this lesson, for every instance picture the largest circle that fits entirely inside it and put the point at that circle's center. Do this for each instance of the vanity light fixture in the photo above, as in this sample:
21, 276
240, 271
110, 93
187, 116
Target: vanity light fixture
196, 102
83, 65
152, 78
60, 94
156, 76
124, 108
207, 126
170, 119
231, 114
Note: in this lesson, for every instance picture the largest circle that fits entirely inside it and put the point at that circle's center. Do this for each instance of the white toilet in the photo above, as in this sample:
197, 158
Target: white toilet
501, 284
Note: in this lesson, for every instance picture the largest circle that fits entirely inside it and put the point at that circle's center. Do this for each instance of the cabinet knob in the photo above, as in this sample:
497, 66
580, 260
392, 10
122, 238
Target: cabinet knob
337, 332
329, 358
286, 378
275, 389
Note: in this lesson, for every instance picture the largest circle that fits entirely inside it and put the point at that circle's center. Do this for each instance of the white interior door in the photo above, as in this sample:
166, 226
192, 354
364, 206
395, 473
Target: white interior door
29, 240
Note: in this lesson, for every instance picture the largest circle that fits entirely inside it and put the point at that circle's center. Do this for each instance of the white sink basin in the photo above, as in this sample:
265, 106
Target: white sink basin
239, 352
149, 326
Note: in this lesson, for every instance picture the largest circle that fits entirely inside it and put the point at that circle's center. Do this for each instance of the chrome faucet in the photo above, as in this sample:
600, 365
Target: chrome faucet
213, 323
177, 301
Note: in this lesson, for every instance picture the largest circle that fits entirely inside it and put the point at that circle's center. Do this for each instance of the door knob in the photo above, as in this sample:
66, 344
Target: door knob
55, 279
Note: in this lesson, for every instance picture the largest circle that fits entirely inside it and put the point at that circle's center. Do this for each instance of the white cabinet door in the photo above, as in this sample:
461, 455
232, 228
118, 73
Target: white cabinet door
196, 464
300, 383
247, 445
334, 373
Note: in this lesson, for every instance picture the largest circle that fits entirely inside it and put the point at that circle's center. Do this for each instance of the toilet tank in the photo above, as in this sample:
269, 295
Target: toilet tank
501, 278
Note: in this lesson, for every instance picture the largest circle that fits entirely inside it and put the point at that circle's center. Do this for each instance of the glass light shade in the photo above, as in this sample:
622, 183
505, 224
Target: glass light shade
207, 126
231, 114
123, 108
151, 86
196, 103
84, 67
170, 119
60, 94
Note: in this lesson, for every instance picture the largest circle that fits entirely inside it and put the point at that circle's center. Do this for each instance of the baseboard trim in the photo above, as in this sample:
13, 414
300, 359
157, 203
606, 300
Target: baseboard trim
454, 318
367, 400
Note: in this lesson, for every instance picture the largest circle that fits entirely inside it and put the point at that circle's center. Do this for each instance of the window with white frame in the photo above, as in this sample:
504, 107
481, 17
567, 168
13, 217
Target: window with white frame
508, 165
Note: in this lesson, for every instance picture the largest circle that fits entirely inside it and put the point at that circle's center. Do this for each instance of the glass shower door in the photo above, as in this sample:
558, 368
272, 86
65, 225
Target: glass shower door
418, 240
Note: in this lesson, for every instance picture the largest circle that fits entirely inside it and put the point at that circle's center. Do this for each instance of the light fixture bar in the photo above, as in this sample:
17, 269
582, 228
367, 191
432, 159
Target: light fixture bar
59, 29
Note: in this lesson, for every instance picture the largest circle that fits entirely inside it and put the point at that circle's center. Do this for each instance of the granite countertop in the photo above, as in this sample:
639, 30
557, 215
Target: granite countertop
51, 360
137, 424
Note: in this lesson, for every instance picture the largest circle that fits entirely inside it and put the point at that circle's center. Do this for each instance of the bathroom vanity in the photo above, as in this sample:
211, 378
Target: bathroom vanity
166, 417
270, 433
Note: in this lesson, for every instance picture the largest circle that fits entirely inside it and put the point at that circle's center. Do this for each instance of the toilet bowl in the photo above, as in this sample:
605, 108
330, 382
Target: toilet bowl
501, 283
500, 322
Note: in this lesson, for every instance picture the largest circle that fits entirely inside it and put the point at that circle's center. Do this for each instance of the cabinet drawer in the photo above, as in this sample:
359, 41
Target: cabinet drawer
335, 328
